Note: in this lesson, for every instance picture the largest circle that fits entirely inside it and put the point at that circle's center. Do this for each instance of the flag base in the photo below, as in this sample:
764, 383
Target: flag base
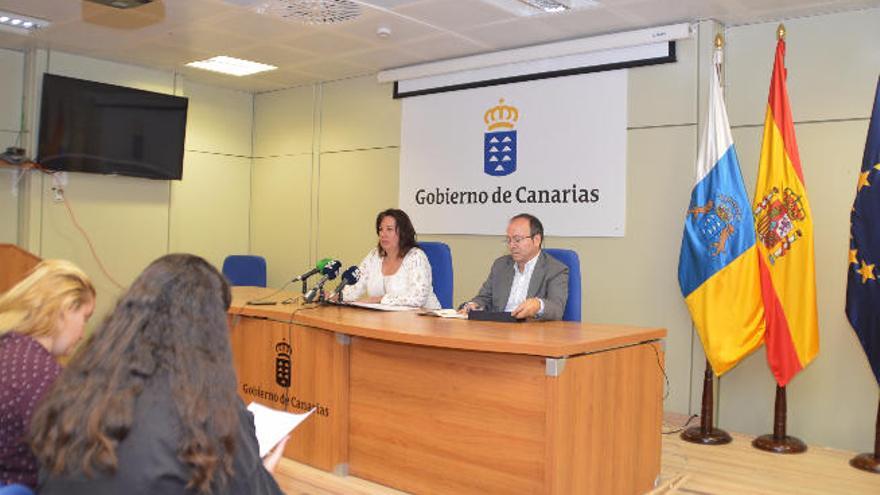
783, 445
714, 436
866, 462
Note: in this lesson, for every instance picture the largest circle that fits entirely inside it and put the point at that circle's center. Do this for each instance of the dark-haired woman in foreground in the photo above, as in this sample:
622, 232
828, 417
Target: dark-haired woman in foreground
396, 271
149, 405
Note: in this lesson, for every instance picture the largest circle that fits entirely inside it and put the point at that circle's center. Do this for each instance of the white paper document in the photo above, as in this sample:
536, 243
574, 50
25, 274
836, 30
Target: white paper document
381, 307
273, 425
445, 313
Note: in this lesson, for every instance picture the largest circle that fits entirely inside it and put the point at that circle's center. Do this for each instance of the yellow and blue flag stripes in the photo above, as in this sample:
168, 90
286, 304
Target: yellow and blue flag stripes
718, 264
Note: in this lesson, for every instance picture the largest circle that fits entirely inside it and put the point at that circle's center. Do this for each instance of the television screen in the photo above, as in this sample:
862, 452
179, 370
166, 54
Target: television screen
100, 128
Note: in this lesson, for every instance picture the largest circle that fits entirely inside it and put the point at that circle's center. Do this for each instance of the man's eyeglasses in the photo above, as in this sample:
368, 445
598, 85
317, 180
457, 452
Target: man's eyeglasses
516, 239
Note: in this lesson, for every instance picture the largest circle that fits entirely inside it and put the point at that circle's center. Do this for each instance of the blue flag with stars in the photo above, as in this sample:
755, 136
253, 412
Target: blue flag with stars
863, 287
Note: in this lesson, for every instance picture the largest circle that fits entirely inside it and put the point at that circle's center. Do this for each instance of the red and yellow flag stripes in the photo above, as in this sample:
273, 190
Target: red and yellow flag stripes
784, 227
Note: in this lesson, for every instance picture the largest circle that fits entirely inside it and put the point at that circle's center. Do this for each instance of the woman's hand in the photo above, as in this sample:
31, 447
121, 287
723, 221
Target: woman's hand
274, 455
371, 299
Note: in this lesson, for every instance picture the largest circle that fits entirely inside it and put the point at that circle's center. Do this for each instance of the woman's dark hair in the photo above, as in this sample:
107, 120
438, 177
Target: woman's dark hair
170, 325
405, 231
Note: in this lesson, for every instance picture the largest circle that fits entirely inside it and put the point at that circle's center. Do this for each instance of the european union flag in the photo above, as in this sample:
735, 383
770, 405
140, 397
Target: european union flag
863, 288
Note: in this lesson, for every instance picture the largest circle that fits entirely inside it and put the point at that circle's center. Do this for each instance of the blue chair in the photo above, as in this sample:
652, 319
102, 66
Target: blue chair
440, 257
245, 269
15, 490
570, 259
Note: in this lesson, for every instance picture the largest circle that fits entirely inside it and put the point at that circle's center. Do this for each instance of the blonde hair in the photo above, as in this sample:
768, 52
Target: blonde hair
32, 307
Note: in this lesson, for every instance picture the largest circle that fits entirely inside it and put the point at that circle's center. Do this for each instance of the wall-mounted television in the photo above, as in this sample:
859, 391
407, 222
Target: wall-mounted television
86, 126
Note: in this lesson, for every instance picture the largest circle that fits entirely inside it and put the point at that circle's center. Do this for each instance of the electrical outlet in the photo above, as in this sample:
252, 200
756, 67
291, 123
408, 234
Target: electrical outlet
57, 194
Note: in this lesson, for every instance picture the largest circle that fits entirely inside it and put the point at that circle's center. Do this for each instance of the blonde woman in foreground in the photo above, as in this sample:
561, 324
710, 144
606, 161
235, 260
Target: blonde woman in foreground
41, 318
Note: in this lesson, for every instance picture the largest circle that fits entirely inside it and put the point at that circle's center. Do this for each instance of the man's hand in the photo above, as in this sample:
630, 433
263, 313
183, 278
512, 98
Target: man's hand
527, 309
468, 307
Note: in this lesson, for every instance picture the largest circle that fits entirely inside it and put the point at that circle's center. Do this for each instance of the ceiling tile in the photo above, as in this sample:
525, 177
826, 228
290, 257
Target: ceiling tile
324, 44
159, 55
207, 40
589, 22
390, 4
248, 23
402, 29
289, 78
517, 32
442, 47
455, 15
247, 83
329, 69
277, 54
383, 58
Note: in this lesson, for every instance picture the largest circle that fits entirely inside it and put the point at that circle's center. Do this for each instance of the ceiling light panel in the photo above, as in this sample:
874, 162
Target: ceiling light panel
231, 66
526, 8
21, 24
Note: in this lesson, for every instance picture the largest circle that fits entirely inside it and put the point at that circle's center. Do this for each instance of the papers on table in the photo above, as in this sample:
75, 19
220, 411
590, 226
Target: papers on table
273, 425
380, 307
445, 313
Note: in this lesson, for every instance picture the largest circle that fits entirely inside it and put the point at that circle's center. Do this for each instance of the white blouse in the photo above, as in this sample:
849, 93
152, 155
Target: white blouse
409, 286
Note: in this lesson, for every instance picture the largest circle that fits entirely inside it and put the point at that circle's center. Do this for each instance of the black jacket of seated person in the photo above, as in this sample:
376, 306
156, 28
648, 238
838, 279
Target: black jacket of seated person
149, 405
148, 463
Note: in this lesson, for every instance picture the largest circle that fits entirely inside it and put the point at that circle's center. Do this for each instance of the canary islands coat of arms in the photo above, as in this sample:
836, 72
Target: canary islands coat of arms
715, 221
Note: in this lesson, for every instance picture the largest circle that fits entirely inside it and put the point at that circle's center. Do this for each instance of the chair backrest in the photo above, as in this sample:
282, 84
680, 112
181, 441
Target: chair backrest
245, 269
571, 260
15, 490
440, 257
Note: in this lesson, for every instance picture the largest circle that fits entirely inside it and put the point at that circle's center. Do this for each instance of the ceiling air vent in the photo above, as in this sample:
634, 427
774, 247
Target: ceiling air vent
311, 11
121, 4
525, 8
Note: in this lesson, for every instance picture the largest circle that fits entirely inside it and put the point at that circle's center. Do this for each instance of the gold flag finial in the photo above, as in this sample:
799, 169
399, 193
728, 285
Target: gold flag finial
780, 32
719, 41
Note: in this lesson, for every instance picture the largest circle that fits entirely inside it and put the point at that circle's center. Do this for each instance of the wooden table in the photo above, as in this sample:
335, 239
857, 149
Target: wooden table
432, 405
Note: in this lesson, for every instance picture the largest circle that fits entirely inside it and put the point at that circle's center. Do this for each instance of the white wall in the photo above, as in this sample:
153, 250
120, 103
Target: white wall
11, 80
132, 221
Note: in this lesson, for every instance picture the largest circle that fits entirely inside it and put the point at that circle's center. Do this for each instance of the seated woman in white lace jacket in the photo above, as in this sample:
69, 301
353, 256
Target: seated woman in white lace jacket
395, 272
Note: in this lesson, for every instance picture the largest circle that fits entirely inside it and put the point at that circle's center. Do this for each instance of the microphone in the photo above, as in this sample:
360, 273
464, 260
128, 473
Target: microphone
319, 267
330, 270
349, 277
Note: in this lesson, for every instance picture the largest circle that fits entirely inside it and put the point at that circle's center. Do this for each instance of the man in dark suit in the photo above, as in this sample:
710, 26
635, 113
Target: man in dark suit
528, 282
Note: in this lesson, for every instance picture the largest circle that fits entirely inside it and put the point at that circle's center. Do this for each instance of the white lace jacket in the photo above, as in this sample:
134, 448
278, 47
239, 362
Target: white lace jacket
409, 286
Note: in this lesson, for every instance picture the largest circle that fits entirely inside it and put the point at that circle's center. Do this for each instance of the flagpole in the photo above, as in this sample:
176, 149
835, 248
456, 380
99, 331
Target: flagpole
778, 442
706, 433
870, 462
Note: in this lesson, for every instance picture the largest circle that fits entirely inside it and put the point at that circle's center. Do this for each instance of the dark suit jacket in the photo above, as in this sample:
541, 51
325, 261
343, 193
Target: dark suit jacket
549, 283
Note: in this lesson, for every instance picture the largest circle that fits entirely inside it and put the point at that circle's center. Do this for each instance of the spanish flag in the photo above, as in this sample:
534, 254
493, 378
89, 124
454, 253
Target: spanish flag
784, 226
718, 263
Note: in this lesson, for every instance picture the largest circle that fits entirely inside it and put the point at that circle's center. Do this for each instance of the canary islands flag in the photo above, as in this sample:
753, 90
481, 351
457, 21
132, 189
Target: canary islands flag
718, 263
863, 288
784, 226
